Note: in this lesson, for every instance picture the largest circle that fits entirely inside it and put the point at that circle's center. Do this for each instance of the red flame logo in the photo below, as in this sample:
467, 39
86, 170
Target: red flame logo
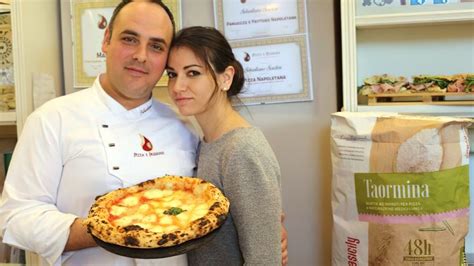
247, 57
102, 23
146, 144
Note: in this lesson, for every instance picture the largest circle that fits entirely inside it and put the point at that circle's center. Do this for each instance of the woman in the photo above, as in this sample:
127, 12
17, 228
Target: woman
203, 77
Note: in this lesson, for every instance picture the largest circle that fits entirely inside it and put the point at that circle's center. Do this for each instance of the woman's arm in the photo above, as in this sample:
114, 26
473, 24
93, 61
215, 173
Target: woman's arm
284, 242
250, 181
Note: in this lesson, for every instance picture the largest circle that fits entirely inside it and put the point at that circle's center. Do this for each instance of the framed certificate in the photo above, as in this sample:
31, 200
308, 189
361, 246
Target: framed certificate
258, 19
276, 70
90, 18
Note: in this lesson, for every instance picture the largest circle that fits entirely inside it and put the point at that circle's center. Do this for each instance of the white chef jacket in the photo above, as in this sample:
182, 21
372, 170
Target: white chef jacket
76, 147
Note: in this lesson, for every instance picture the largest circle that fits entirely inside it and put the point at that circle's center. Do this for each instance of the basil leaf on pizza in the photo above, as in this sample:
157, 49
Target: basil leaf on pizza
161, 212
173, 211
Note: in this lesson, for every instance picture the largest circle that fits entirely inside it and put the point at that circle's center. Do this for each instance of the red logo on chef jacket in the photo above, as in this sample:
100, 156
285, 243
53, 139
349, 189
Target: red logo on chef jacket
147, 146
146, 143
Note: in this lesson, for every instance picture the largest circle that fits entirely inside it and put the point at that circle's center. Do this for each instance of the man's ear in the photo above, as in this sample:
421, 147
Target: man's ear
227, 77
106, 40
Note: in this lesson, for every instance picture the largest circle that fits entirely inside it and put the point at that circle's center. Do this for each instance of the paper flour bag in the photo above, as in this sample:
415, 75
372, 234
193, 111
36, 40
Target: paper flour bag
400, 192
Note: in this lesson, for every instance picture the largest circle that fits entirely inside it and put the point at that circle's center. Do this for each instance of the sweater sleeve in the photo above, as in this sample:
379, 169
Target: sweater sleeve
251, 182
29, 218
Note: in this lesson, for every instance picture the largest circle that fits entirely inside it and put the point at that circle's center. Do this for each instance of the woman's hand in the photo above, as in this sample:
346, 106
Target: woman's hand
284, 242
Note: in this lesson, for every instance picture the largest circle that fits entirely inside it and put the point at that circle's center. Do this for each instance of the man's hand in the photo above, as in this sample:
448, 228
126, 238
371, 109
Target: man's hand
284, 242
78, 237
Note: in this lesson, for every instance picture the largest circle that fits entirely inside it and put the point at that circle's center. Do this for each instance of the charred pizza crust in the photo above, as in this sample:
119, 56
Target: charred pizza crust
100, 221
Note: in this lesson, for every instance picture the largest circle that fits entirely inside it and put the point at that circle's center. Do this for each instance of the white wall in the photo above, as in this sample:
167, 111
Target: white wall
37, 50
409, 49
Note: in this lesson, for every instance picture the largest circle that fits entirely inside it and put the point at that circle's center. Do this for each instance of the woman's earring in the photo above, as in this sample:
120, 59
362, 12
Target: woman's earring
224, 88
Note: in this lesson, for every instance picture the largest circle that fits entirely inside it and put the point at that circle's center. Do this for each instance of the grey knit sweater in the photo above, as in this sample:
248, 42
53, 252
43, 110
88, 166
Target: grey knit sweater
242, 164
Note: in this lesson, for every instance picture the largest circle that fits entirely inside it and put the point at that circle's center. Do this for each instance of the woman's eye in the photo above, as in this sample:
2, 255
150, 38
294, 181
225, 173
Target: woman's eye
170, 74
193, 73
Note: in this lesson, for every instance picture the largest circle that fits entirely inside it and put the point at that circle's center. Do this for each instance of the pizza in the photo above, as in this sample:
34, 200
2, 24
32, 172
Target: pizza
161, 212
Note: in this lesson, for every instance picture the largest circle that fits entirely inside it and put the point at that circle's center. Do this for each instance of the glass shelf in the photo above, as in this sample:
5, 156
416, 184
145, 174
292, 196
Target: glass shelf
426, 109
415, 18
8, 118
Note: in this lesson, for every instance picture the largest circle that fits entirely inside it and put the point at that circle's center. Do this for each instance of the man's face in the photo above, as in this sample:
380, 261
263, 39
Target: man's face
136, 53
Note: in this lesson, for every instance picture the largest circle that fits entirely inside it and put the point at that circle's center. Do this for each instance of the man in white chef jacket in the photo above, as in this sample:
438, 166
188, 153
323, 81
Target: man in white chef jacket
88, 143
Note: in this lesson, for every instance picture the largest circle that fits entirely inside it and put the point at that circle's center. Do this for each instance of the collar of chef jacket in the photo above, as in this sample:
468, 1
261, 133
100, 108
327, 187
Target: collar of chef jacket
141, 143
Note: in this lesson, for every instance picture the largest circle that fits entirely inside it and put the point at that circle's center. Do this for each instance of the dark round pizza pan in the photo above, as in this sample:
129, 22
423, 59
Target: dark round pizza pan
154, 253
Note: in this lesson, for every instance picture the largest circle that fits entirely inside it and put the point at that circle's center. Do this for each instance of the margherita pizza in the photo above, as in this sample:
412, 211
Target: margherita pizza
162, 212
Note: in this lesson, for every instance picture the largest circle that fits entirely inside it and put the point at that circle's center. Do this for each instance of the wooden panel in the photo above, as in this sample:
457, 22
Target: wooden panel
7, 132
461, 99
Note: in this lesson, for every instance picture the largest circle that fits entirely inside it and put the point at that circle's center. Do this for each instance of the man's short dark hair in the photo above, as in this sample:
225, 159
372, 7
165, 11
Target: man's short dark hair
125, 2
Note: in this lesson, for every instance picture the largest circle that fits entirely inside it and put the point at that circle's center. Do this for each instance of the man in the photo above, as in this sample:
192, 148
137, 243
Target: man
88, 143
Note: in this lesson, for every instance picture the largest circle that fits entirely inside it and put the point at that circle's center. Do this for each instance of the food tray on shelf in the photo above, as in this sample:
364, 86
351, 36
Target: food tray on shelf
441, 98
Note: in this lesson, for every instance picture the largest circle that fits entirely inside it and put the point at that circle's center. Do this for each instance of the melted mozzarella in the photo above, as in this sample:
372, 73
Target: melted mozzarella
202, 206
137, 216
117, 210
168, 198
157, 228
149, 218
198, 214
157, 193
153, 194
187, 207
166, 220
174, 203
124, 221
183, 217
155, 204
143, 208
129, 201
171, 228
160, 211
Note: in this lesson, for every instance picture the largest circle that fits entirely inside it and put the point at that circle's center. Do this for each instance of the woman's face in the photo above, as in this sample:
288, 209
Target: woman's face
190, 83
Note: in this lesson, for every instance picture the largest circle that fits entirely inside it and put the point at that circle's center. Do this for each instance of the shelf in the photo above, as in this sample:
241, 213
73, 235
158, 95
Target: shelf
422, 32
415, 18
7, 132
5, 8
7, 118
426, 109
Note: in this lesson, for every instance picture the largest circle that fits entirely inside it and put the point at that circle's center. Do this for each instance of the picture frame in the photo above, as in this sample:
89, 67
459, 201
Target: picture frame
259, 19
89, 21
276, 70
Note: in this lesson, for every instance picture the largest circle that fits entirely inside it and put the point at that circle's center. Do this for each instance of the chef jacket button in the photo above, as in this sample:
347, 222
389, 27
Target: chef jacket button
111, 144
105, 126
115, 168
